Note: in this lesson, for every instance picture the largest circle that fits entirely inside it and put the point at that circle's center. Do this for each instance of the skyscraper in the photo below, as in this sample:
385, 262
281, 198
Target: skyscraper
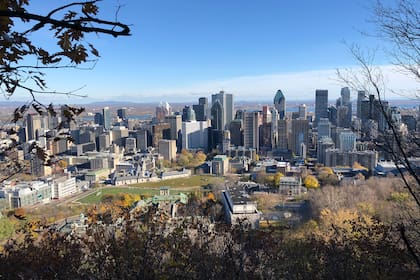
300, 130
344, 108
251, 129
361, 95
106, 115
280, 104
217, 113
226, 101
188, 114
201, 109
302, 111
324, 128
33, 124
321, 105
122, 113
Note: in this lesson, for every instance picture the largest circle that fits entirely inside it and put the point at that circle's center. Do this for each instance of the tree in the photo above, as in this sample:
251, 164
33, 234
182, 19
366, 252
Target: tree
311, 182
398, 24
24, 62
277, 178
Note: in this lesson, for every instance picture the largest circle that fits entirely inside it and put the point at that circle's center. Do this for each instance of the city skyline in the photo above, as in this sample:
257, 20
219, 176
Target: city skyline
188, 49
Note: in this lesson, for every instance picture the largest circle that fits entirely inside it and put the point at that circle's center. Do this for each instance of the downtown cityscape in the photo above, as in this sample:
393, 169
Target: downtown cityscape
245, 145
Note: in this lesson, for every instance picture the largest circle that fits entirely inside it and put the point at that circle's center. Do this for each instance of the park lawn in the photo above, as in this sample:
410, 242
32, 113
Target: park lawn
186, 185
96, 197
180, 183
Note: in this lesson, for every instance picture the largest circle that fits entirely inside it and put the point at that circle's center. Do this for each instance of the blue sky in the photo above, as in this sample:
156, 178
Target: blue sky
182, 49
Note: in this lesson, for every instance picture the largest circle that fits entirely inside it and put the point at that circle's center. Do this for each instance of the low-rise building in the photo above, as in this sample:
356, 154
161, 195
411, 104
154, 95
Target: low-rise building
63, 186
238, 207
26, 193
290, 186
220, 165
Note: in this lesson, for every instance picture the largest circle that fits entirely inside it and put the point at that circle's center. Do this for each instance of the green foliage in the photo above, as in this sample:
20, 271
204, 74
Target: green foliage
6, 228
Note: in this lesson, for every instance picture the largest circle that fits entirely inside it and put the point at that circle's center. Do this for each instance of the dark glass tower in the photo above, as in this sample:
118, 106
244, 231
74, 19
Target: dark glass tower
280, 104
321, 104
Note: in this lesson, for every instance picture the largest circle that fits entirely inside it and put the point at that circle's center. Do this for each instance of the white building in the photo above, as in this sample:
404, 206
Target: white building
26, 193
63, 186
195, 135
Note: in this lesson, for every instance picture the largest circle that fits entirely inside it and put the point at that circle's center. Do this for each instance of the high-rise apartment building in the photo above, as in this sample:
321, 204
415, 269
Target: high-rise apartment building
280, 104
321, 105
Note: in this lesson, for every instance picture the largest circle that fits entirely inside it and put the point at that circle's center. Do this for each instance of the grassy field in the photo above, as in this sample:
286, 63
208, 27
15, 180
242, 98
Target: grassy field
194, 183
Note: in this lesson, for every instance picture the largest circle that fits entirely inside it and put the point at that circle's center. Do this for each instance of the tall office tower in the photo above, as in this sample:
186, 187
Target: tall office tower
226, 100
239, 115
343, 119
321, 105
33, 124
302, 111
361, 95
274, 128
324, 128
106, 114
266, 114
299, 137
344, 101
236, 132
201, 110
332, 115
280, 104
175, 123
377, 112
283, 132
217, 113
188, 114
251, 130
164, 109
345, 95
98, 119
118, 135
347, 141
122, 113
142, 138
265, 136
160, 131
